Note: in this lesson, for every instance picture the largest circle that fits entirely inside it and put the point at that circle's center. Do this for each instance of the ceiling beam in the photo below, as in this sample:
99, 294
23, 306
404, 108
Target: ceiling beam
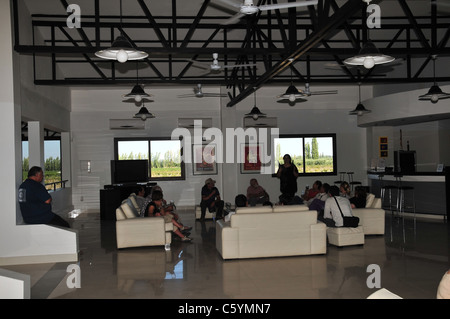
339, 17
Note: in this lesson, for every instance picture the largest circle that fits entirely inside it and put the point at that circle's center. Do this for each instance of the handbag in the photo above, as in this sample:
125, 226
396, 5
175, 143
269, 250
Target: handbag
349, 221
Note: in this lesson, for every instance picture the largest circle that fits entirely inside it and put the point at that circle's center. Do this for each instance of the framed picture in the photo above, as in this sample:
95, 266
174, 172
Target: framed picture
383, 146
251, 159
204, 159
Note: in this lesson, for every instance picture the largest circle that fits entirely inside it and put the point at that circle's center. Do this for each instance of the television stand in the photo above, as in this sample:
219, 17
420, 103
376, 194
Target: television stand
111, 197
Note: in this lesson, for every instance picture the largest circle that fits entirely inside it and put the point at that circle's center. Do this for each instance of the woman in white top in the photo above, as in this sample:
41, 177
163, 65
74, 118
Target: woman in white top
331, 212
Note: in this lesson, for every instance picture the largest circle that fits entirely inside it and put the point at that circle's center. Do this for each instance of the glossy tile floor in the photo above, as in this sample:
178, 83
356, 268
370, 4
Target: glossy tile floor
412, 258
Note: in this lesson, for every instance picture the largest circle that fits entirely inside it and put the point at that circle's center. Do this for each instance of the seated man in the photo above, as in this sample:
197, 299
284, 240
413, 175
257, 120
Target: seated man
335, 207
36, 203
211, 200
256, 194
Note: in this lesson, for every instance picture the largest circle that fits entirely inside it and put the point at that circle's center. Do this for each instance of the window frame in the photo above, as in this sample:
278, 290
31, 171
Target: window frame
303, 137
149, 140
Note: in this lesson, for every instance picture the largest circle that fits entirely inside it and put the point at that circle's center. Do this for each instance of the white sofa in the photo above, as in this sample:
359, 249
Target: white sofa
263, 231
134, 231
372, 217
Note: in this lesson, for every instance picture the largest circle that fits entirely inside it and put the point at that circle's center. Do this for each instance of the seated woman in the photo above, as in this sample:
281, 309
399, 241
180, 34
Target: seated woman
155, 208
312, 192
334, 205
359, 200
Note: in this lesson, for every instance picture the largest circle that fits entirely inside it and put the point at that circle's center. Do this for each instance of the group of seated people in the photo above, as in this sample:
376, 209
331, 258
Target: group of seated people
154, 205
328, 201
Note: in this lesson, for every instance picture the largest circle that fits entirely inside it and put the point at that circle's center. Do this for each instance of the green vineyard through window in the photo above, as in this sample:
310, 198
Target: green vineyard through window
164, 156
312, 154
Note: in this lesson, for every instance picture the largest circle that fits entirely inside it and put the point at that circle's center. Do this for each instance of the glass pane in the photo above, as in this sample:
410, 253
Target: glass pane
52, 155
319, 155
288, 145
25, 160
132, 150
165, 159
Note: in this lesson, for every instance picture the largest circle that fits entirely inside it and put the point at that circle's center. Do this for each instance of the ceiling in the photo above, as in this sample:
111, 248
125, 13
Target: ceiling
305, 44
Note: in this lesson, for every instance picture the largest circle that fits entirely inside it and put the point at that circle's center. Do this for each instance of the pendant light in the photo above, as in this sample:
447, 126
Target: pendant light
369, 55
137, 93
144, 114
121, 49
255, 113
292, 93
360, 109
434, 93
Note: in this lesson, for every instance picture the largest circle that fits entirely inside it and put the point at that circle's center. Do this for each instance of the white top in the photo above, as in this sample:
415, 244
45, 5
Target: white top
332, 210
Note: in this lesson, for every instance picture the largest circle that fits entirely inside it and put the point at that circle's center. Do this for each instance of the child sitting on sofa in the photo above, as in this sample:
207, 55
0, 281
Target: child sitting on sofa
155, 208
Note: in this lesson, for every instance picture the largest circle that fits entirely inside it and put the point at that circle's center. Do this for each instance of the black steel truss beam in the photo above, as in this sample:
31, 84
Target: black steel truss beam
299, 38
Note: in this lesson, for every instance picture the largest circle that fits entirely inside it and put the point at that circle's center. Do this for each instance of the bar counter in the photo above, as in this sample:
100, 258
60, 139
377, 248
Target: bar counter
431, 189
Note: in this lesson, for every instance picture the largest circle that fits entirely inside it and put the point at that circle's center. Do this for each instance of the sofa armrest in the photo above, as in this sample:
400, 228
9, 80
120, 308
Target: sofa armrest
318, 238
227, 240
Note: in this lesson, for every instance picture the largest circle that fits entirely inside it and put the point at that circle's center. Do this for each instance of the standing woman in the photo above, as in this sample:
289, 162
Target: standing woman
287, 173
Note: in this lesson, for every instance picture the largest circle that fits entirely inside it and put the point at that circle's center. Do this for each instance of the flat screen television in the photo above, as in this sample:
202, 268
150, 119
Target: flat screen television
129, 171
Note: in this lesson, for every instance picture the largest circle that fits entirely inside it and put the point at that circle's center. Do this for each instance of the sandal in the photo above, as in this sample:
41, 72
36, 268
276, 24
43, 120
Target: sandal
185, 238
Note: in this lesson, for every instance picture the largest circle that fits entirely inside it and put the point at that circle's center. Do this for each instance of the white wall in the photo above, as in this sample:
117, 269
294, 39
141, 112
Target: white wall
93, 140
21, 243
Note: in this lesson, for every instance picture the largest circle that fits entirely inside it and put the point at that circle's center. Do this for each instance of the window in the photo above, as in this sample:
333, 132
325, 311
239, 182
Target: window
164, 156
52, 164
312, 154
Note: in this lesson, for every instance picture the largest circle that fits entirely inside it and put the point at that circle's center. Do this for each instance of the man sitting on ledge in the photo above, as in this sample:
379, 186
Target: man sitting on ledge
35, 201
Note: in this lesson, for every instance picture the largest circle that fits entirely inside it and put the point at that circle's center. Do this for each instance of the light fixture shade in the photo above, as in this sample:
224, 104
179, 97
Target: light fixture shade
292, 94
434, 94
369, 56
144, 114
255, 113
359, 110
122, 51
137, 91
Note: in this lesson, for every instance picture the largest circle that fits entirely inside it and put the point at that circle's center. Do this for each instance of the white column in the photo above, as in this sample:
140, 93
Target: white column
36, 144
66, 158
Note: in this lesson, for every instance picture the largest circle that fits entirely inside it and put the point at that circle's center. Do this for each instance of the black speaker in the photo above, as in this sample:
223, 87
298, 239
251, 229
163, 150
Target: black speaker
405, 161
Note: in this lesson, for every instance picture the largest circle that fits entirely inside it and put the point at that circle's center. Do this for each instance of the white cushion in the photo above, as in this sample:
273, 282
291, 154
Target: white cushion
253, 210
119, 214
132, 199
369, 200
127, 210
290, 208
